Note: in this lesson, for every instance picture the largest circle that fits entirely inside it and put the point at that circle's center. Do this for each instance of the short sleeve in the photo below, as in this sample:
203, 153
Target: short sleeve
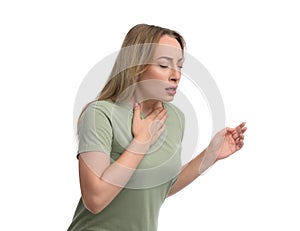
94, 130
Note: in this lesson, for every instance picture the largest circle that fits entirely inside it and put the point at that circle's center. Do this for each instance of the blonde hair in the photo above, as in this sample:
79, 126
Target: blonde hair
136, 53
133, 59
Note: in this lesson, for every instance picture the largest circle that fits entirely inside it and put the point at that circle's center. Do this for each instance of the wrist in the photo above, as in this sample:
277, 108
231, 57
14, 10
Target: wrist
138, 146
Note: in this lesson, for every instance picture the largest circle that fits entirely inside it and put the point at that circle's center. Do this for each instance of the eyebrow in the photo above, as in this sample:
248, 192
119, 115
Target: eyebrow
170, 58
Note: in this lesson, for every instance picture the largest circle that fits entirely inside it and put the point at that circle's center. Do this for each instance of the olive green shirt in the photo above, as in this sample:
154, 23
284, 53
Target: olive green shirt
106, 127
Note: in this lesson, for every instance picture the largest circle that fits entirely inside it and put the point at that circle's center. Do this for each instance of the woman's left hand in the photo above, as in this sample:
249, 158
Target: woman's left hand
233, 140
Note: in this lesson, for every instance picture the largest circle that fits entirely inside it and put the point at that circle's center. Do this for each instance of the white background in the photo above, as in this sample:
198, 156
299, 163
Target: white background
252, 50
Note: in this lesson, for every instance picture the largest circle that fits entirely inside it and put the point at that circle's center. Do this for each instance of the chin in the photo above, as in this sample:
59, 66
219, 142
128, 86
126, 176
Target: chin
168, 99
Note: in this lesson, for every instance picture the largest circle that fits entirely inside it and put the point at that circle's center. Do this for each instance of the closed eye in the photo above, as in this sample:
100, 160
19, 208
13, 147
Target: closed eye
163, 66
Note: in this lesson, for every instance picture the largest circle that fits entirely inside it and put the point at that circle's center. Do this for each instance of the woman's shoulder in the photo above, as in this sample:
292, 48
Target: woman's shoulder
109, 107
100, 106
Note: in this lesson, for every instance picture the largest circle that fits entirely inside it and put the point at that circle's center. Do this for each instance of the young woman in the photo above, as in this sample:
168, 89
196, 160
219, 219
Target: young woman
130, 137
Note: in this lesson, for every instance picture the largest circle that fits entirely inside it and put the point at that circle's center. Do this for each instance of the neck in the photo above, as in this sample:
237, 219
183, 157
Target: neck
147, 106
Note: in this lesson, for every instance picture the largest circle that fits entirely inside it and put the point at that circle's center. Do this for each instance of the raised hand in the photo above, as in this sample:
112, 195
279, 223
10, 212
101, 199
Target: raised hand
149, 129
229, 140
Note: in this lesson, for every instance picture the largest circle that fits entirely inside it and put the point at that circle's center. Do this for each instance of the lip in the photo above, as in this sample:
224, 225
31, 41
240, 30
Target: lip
171, 91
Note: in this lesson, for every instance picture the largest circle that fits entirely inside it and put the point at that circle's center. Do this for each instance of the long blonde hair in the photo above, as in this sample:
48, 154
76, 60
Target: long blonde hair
136, 52
133, 59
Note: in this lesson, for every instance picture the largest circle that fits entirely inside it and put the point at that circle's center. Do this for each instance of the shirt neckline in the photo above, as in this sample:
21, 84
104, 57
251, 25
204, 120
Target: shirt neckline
130, 107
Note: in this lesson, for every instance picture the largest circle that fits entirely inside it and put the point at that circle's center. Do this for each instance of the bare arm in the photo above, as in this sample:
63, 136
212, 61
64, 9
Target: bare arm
98, 191
224, 143
101, 183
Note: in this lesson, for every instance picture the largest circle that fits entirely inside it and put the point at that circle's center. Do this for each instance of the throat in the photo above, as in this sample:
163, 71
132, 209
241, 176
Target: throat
148, 106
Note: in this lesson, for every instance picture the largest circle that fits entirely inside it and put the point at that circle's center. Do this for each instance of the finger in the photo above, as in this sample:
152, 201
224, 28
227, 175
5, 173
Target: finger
160, 131
235, 135
164, 118
241, 144
230, 129
155, 126
137, 112
161, 115
157, 134
158, 124
244, 129
239, 140
238, 134
240, 129
154, 113
242, 125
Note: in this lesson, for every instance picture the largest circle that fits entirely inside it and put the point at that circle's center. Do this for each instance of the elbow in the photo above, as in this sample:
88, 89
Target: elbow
94, 205
94, 210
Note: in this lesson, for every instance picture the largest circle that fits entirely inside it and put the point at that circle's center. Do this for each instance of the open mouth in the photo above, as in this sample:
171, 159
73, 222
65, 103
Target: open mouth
171, 90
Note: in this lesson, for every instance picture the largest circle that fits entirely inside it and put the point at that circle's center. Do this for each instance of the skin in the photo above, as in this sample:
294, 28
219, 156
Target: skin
101, 184
165, 71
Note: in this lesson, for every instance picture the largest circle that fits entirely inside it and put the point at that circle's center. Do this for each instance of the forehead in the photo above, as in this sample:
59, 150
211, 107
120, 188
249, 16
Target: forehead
168, 46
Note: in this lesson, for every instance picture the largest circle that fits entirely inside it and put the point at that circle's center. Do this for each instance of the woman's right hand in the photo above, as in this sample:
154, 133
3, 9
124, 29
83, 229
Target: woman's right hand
149, 129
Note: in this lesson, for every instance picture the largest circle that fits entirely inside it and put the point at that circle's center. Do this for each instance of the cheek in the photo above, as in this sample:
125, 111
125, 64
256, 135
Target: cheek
153, 89
156, 72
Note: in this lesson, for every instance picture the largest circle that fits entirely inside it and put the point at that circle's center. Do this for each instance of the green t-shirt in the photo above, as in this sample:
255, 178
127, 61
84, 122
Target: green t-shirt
106, 127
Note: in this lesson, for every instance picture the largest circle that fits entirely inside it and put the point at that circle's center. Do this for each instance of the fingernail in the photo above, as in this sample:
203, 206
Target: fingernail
136, 104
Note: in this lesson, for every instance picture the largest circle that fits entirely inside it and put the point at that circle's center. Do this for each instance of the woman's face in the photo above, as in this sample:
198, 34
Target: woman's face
160, 80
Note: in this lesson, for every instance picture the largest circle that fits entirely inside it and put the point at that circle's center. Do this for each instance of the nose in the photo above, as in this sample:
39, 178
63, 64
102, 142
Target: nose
175, 75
